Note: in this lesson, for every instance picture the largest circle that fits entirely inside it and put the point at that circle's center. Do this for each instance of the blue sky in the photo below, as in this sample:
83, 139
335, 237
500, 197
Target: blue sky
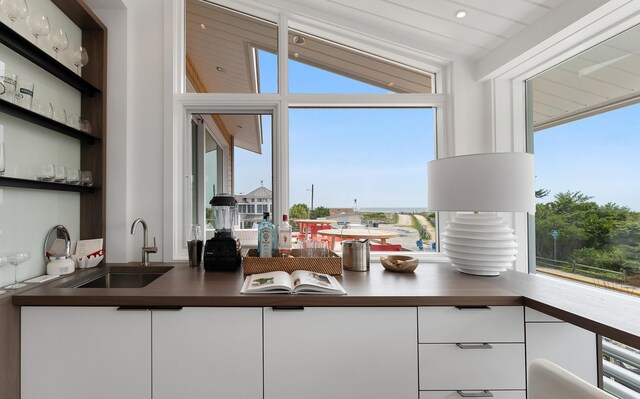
378, 156
598, 156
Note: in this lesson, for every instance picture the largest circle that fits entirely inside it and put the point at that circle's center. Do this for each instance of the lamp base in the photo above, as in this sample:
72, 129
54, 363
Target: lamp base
480, 244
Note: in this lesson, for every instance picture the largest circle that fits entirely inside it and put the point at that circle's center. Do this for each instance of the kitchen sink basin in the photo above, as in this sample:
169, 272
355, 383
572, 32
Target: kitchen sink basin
126, 277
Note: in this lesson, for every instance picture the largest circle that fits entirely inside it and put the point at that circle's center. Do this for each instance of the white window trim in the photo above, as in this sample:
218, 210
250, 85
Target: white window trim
508, 96
179, 104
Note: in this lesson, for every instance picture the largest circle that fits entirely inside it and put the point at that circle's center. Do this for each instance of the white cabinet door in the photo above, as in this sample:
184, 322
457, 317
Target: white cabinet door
207, 353
340, 353
570, 347
85, 352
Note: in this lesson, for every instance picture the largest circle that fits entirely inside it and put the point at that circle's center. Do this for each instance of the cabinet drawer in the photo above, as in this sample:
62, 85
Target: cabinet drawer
465, 366
456, 395
452, 324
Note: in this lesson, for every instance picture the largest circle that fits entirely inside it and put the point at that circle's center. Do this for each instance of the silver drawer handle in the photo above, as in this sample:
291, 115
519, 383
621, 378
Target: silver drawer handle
475, 394
473, 307
474, 346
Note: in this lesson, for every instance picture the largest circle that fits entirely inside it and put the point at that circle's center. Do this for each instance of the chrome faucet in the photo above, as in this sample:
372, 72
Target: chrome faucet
145, 249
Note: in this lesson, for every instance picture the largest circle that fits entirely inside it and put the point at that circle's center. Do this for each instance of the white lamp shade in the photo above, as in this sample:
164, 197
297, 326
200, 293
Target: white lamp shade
495, 182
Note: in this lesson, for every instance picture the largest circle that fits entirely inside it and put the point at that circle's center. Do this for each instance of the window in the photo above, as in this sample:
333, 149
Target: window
225, 50
585, 136
278, 171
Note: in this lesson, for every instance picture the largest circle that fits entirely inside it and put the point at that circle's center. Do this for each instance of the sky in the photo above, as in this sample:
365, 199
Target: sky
598, 156
377, 156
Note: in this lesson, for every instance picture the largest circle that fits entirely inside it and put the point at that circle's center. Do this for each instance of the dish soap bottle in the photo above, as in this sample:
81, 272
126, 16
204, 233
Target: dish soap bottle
284, 236
266, 237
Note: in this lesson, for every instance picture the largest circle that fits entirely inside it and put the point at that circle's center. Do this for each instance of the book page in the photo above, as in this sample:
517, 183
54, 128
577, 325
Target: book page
272, 282
319, 283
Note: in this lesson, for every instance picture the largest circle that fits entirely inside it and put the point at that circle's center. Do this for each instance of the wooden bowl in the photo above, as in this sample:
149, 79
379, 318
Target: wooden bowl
399, 263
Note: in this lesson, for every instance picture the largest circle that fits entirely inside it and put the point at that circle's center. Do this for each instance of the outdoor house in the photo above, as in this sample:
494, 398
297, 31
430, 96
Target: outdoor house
296, 107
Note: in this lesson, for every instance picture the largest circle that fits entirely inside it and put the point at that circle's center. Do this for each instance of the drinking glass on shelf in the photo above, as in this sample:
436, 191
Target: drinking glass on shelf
16, 260
42, 107
46, 172
85, 178
73, 176
80, 57
58, 40
73, 121
60, 174
4, 261
38, 25
59, 114
15, 9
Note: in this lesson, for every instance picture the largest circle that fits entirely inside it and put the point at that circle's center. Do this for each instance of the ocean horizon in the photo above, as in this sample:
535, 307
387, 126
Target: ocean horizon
394, 210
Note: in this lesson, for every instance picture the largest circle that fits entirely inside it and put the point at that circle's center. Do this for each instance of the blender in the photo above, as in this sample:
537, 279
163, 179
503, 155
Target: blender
222, 251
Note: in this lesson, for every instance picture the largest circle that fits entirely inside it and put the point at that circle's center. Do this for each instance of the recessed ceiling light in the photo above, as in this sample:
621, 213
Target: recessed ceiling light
296, 55
391, 84
460, 14
220, 69
299, 40
203, 26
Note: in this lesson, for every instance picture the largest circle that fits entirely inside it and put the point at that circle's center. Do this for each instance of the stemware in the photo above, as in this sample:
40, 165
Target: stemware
80, 57
15, 261
58, 40
4, 261
15, 9
38, 25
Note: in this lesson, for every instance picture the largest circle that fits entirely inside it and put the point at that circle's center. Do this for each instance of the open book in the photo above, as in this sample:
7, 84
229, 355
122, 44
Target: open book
298, 282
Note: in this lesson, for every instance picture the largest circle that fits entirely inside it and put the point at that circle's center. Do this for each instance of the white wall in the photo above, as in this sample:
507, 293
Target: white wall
134, 118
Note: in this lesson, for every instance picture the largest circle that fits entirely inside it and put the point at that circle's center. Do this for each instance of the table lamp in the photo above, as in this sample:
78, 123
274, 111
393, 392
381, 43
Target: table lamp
481, 243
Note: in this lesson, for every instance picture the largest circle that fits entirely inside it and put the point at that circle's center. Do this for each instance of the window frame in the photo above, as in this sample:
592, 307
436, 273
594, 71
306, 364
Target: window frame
182, 104
509, 118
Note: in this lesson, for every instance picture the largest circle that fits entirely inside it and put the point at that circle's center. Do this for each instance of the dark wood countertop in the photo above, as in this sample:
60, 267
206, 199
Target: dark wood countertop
607, 313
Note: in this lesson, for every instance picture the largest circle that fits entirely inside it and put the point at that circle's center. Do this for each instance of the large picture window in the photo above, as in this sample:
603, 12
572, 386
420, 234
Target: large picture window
585, 134
350, 147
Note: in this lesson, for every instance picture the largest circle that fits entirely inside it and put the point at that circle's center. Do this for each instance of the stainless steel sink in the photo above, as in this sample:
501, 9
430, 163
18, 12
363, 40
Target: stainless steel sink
126, 277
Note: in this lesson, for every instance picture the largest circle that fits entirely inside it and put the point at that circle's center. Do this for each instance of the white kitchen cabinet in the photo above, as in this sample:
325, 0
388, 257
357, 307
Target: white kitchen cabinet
85, 352
572, 348
471, 350
340, 353
207, 353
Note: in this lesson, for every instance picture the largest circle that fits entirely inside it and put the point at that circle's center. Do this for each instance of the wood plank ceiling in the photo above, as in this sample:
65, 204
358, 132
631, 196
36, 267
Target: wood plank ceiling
604, 77
222, 45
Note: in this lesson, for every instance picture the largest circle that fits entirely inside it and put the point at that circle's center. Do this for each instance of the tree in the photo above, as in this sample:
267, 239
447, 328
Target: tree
299, 211
319, 212
541, 193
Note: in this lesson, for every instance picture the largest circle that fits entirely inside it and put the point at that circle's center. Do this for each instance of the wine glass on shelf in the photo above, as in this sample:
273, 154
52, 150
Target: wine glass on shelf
16, 260
58, 40
38, 25
4, 261
15, 9
80, 57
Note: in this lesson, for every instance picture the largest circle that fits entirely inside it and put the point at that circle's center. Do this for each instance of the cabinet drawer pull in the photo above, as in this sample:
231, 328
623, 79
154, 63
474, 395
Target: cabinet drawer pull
474, 346
471, 307
280, 308
134, 307
475, 394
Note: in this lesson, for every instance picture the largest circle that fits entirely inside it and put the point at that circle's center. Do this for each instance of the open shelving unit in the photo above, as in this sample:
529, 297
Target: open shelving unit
93, 108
